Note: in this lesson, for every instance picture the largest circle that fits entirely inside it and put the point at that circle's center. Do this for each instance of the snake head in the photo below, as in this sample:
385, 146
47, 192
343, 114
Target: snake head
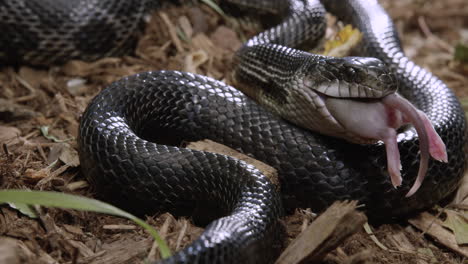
350, 77
357, 100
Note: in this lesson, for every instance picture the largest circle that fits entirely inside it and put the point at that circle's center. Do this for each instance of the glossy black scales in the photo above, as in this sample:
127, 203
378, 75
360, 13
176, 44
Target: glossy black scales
120, 158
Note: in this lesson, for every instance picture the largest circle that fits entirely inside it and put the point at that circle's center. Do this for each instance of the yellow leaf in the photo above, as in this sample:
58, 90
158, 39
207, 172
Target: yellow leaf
346, 39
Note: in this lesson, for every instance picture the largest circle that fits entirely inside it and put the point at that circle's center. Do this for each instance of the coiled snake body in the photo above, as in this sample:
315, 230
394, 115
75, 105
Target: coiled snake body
116, 130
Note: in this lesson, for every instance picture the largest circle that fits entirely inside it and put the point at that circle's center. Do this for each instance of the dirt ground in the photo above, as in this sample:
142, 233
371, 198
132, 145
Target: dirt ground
197, 39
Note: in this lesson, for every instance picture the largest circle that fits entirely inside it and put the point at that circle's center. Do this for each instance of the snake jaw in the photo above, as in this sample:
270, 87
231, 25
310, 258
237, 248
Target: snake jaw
378, 120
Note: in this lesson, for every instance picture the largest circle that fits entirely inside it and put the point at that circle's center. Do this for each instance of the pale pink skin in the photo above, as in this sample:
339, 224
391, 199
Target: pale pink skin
379, 120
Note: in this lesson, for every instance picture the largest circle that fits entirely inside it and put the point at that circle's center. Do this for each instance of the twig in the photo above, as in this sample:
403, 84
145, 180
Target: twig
28, 86
181, 234
163, 233
172, 31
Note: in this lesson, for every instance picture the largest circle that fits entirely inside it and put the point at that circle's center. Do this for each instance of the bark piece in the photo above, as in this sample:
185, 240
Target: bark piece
211, 146
338, 222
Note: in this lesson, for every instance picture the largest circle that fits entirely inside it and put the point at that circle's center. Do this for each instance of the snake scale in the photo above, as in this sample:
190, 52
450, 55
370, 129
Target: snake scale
121, 124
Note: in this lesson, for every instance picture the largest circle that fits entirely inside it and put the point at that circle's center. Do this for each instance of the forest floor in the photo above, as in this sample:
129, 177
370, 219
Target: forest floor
32, 158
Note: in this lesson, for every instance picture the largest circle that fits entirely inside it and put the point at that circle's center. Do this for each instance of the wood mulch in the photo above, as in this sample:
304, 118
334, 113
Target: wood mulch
190, 38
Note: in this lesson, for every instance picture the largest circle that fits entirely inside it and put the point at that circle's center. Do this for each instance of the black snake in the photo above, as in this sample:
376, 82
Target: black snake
117, 129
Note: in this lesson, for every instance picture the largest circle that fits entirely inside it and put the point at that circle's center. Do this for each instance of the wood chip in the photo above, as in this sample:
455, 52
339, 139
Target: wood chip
401, 242
34, 176
9, 253
338, 222
9, 135
121, 251
194, 60
211, 146
360, 258
13, 251
226, 39
10, 111
461, 197
33, 77
201, 41
73, 186
74, 229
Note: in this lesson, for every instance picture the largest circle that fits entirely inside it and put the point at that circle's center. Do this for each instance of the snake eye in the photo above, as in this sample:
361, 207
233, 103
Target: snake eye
354, 75
350, 71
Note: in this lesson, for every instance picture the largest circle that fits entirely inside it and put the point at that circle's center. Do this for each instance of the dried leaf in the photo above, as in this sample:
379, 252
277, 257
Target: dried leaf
65, 153
458, 223
69, 156
432, 226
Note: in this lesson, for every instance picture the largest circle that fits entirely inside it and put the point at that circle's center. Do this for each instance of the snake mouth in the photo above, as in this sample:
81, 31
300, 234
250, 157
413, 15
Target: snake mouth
370, 120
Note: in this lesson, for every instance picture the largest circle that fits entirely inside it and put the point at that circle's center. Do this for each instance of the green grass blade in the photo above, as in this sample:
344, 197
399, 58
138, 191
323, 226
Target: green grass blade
68, 201
45, 132
25, 209
215, 7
